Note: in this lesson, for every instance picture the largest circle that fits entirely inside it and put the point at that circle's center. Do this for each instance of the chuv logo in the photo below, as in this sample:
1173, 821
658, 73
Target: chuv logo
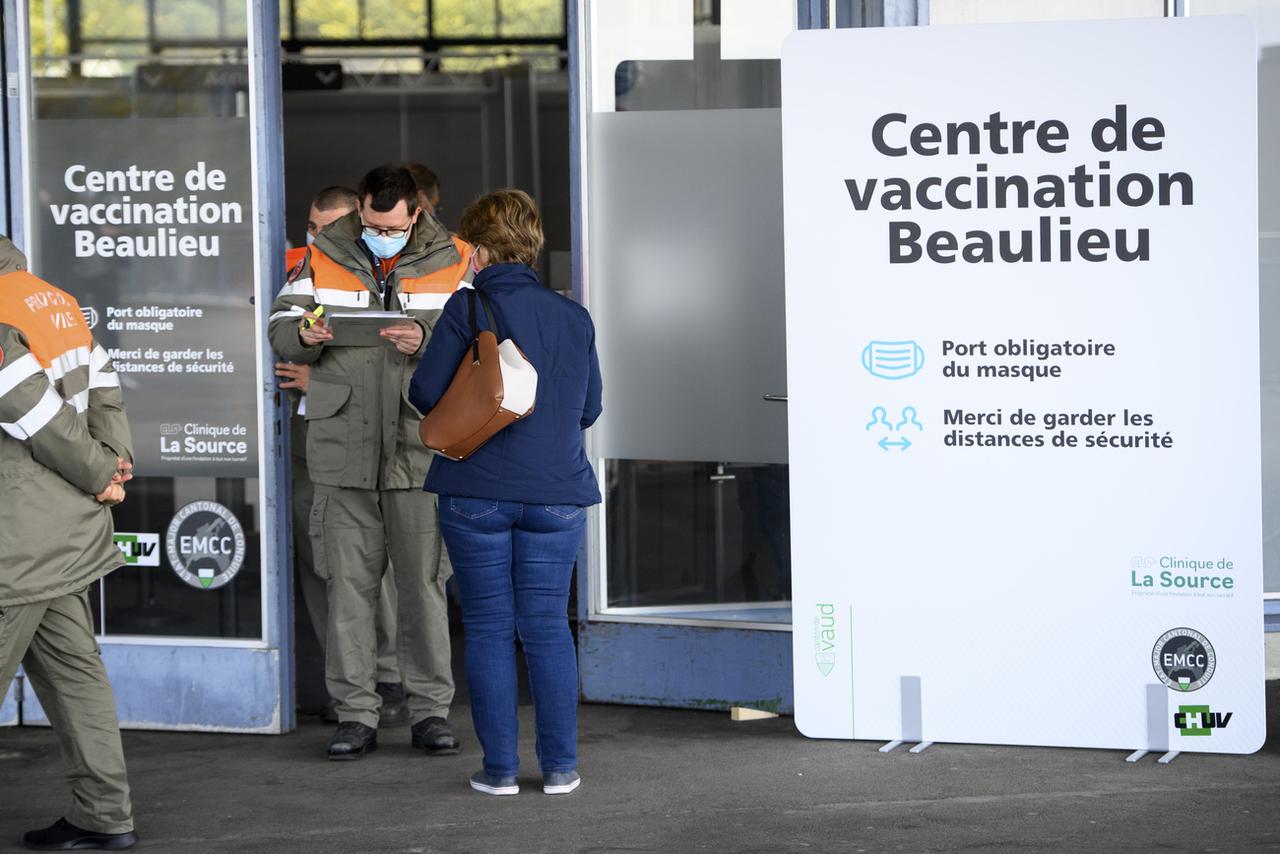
138, 549
824, 638
205, 544
1183, 659
1198, 720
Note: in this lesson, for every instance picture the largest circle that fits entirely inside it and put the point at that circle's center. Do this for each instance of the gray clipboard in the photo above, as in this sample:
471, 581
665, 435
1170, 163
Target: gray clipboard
361, 328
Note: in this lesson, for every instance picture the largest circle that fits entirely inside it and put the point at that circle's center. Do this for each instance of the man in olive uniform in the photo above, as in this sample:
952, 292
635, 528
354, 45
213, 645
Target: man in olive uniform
65, 453
329, 205
364, 455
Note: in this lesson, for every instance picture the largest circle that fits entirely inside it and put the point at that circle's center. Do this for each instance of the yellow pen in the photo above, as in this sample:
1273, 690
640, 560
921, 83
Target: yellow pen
319, 313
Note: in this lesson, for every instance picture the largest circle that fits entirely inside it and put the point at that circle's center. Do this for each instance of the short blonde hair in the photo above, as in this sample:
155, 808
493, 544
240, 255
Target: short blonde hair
507, 224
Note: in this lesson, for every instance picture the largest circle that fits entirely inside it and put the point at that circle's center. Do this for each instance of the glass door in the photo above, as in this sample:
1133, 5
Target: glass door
678, 139
147, 147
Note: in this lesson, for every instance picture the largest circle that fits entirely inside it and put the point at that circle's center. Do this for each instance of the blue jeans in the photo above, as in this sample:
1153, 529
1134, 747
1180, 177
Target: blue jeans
513, 563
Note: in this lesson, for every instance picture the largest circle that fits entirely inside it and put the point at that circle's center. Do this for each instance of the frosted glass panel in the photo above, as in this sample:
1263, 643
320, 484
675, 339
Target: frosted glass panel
687, 288
1005, 11
754, 29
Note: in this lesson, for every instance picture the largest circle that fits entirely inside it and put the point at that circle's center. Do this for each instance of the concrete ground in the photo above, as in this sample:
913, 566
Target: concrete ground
669, 781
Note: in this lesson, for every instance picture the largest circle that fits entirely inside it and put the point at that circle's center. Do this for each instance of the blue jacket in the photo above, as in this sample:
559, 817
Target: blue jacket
539, 459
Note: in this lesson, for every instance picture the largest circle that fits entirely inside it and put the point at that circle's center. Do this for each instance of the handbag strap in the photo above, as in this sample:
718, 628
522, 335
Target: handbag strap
475, 329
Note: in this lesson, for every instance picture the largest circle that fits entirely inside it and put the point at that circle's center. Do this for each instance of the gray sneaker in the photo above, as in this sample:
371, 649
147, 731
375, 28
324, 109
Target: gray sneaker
560, 782
483, 781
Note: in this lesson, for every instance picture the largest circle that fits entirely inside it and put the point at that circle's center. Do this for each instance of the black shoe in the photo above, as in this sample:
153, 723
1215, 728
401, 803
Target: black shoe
434, 736
395, 708
352, 740
329, 712
65, 836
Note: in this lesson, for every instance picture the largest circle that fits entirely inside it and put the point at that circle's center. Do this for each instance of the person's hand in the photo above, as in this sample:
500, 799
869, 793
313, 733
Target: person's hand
407, 337
315, 335
113, 494
124, 471
294, 376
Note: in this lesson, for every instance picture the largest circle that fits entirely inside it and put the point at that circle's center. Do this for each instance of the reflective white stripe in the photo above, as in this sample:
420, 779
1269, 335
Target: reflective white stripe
300, 288
16, 372
33, 422
98, 359
67, 362
345, 299
423, 302
97, 378
80, 401
104, 380
294, 311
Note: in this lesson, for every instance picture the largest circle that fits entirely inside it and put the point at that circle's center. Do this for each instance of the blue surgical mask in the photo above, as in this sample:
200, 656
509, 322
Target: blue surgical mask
385, 247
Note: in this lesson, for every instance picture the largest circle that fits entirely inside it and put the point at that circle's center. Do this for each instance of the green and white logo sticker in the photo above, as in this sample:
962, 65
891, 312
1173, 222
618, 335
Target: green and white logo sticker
824, 638
138, 549
205, 544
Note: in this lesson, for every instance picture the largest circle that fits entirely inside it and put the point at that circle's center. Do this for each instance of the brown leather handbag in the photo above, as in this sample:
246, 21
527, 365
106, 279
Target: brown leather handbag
495, 385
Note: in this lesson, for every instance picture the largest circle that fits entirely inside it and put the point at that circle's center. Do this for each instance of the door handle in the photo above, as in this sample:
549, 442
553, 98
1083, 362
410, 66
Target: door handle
776, 398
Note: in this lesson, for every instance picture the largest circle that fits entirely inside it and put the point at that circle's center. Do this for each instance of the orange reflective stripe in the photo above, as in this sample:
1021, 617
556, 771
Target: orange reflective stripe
49, 317
444, 280
327, 273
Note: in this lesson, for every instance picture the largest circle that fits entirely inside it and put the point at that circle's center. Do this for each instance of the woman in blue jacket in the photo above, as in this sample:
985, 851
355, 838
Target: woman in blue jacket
514, 512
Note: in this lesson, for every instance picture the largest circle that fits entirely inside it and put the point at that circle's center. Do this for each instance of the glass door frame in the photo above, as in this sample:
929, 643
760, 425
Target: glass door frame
179, 683
653, 655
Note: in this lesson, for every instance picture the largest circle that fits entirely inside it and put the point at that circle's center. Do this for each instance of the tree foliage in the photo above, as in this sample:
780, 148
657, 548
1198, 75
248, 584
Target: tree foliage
182, 20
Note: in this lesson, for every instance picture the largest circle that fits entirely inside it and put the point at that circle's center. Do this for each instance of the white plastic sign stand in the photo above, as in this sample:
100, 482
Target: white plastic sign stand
1022, 343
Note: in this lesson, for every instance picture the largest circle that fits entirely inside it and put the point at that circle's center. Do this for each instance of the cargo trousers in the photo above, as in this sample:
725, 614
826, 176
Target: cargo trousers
315, 592
354, 533
53, 641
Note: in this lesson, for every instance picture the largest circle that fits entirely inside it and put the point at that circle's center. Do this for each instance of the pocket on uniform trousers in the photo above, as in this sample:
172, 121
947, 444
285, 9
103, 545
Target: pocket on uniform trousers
472, 508
316, 530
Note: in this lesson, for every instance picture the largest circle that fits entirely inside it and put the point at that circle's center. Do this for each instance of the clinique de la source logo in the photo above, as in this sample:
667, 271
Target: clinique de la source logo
1183, 659
824, 638
1198, 720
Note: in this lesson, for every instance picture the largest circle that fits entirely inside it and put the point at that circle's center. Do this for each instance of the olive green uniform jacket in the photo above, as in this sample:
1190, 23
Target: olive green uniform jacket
62, 427
362, 432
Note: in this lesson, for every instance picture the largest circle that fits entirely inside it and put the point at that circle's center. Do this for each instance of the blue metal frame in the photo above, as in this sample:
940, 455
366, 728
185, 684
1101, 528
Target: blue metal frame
267, 112
213, 689
690, 667
9, 706
15, 155
11, 214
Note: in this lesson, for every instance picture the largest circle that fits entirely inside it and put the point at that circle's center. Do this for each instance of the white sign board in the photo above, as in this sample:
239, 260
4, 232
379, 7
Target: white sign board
1022, 345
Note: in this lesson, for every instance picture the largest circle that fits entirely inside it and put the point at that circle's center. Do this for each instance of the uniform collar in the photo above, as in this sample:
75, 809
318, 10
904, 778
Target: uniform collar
341, 242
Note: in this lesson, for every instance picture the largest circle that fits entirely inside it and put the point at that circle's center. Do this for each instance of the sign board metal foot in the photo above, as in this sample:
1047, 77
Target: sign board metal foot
921, 747
1168, 757
890, 746
1135, 756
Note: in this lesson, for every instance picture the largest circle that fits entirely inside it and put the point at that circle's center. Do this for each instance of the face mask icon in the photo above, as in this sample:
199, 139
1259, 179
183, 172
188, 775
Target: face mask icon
893, 360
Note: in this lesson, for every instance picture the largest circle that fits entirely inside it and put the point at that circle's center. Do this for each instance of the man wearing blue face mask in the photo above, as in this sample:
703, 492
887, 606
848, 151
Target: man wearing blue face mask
364, 455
